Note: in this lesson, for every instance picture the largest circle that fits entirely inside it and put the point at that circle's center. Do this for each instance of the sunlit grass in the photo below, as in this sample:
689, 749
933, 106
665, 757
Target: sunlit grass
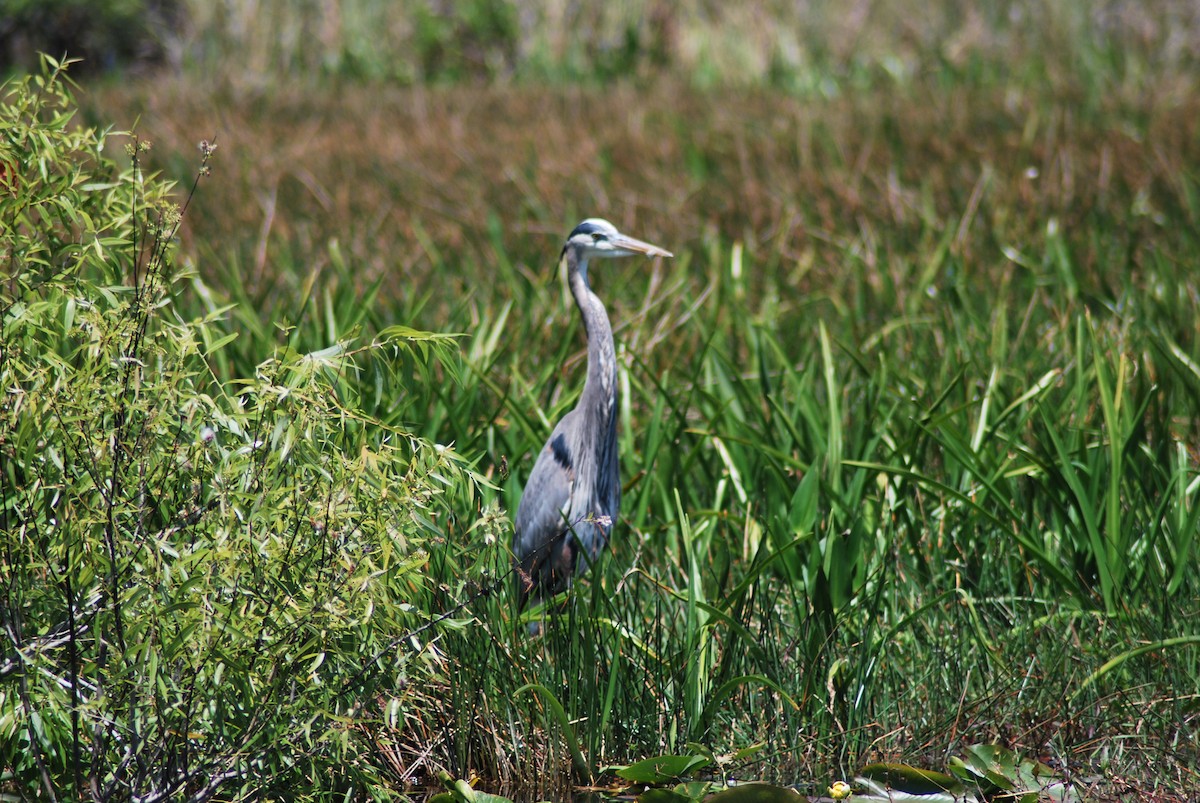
908, 427
905, 426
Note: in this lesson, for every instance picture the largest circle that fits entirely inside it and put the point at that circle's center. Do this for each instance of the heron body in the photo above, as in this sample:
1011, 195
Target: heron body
573, 494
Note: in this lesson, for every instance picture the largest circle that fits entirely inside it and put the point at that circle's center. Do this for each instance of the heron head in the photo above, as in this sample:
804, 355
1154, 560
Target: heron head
595, 237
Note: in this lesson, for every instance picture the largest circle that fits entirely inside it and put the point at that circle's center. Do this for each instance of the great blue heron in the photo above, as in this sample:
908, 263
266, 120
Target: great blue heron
573, 495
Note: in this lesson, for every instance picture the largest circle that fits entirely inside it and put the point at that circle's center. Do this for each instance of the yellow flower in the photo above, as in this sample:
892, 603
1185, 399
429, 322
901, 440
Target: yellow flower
840, 790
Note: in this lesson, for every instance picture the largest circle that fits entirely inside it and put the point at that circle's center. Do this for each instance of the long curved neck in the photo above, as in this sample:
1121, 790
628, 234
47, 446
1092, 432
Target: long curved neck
600, 389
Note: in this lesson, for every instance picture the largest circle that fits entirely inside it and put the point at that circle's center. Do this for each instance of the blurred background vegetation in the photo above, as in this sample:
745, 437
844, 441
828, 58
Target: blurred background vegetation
910, 428
819, 46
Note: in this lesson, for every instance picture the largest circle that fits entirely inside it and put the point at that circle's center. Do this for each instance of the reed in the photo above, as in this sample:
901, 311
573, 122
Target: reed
908, 433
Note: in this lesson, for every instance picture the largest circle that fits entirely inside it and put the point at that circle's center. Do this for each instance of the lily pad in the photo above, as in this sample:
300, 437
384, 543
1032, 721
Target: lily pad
661, 769
984, 772
997, 769
872, 791
904, 778
459, 791
757, 793
691, 792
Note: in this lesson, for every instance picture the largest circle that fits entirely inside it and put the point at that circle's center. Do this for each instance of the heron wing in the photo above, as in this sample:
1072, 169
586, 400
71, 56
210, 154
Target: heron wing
546, 499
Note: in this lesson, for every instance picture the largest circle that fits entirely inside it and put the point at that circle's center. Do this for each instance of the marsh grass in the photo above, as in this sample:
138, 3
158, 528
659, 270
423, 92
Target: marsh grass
909, 432
907, 465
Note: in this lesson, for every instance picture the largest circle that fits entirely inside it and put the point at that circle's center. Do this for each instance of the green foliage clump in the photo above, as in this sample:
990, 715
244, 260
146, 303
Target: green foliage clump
194, 569
476, 38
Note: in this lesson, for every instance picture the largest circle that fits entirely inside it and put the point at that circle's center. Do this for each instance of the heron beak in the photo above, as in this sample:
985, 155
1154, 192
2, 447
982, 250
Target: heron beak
631, 245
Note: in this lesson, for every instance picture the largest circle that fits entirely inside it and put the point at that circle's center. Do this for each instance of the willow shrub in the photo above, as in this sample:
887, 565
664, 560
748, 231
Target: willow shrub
195, 569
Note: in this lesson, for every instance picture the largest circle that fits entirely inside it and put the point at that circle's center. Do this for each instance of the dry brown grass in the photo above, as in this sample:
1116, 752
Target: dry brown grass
805, 184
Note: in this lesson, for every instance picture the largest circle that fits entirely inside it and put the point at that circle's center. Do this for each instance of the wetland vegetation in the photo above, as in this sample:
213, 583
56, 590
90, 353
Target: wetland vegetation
910, 427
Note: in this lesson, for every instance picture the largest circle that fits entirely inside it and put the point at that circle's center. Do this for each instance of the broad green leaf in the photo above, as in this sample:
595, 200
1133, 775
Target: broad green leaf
661, 768
757, 793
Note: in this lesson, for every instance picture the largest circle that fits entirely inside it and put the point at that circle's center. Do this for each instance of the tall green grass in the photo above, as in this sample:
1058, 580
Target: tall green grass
908, 445
835, 549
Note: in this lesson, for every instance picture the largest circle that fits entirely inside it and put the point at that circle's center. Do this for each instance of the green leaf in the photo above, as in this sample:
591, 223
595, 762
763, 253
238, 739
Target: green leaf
459, 791
560, 715
912, 780
661, 768
757, 793
659, 794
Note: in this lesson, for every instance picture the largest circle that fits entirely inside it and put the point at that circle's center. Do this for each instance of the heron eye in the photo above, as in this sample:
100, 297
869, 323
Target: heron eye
597, 237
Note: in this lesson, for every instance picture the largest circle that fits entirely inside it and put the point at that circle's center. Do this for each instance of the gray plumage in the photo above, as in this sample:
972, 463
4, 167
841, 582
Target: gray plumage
573, 494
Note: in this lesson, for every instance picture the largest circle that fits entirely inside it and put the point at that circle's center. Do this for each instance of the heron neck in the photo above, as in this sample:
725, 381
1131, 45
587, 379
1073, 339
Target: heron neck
600, 389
